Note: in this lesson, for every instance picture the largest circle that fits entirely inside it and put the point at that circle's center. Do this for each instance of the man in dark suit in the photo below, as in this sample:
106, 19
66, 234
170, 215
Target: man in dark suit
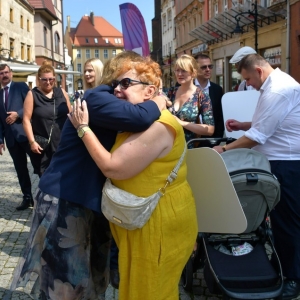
12, 96
214, 90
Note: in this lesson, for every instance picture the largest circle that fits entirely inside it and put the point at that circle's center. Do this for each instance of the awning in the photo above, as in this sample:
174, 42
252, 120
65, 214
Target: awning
29, 69
222, 26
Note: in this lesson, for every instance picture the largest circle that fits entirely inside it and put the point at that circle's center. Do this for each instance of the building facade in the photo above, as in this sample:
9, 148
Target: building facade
93, 37
17, 34
168, 42
208, 26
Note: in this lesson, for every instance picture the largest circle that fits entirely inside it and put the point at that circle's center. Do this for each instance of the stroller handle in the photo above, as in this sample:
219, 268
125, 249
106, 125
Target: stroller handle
212, 141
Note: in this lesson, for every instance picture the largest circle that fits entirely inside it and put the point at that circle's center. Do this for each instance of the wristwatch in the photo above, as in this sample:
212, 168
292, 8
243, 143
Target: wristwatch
82, 130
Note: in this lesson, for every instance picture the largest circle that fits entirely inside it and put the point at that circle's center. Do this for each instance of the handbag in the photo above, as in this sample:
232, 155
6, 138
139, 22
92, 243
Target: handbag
42, 141
128, 210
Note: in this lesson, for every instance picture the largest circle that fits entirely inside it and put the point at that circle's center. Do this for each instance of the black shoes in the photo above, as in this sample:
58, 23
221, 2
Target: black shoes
291, 289
114, 278
27, 202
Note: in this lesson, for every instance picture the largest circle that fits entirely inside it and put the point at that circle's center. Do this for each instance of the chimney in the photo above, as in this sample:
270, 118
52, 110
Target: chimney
68, 24
92, 18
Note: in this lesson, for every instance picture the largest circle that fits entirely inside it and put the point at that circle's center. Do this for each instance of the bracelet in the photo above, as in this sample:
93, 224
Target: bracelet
224, 148
30, 143
81, 125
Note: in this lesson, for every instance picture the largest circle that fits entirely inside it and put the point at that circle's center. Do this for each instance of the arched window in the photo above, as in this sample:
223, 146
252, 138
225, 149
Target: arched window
45, 37
56, 42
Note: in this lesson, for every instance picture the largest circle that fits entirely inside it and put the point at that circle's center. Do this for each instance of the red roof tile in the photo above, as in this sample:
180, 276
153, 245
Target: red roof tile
101, 30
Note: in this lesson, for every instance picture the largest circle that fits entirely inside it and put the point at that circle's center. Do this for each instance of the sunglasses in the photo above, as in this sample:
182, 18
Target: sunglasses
207, 66
125, 83
44, 80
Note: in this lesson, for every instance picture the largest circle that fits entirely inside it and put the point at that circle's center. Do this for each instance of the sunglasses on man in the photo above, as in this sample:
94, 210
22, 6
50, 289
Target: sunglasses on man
125, 83
207, 66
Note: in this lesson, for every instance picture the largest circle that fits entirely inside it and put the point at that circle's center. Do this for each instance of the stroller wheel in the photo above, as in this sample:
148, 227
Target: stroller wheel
187, 276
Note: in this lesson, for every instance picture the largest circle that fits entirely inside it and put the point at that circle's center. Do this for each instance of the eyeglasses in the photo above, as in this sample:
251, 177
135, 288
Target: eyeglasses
207, 66
125, 83
45, 80
4, 73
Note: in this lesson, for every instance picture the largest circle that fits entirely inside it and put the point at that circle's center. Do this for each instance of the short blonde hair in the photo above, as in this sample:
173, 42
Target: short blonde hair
187, 63
97, 65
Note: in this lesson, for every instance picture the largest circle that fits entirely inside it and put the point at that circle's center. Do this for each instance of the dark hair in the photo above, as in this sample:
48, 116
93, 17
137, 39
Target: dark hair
3, 66
202, 56
249, 61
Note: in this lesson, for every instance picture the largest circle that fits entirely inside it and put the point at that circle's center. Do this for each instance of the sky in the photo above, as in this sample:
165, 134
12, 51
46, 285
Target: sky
108, 9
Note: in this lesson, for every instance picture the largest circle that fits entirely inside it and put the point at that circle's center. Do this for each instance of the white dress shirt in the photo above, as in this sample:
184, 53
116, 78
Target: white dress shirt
276, 120
204, 89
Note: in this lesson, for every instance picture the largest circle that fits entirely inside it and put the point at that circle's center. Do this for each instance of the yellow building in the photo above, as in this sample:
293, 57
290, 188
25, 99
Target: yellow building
93, 37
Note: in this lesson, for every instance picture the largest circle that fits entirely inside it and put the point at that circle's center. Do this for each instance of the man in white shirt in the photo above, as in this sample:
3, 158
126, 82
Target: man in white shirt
236, 58
275, 131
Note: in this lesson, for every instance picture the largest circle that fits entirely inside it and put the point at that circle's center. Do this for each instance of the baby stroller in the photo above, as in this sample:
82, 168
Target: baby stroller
249, 276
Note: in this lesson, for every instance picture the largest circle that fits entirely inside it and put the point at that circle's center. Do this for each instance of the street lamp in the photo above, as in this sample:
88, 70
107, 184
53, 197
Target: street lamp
170, 60
253, 13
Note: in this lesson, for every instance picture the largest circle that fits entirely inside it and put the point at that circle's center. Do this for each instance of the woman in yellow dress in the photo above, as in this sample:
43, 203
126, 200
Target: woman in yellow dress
151, 258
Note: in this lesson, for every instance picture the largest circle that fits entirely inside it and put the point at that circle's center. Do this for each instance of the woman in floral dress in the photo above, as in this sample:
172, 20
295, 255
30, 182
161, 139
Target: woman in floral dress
191, 107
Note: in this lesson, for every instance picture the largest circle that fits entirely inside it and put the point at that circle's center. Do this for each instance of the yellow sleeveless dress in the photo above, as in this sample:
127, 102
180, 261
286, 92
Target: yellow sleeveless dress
152, 258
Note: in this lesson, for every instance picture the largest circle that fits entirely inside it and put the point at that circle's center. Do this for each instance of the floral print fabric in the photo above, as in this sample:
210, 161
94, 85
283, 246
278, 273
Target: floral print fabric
67, 253
190, 111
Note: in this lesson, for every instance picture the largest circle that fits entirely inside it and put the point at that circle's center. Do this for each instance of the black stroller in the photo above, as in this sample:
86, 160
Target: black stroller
252, 275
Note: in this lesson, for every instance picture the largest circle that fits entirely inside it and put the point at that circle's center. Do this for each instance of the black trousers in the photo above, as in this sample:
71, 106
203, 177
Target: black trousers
285, 218
19, 152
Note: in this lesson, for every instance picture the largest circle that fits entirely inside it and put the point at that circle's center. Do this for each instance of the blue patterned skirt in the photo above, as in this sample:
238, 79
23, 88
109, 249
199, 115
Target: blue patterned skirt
67, 252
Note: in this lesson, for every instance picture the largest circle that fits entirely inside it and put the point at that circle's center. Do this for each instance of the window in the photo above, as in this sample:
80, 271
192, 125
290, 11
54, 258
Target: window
45, 37
56, 43
164, 21
28, 53
97, 53
11, 15
87, 40
169, 18
216, 9
106, 41
11, 47
55, 3
22, 51
105, 53
78, 53
87, 53
28, 25
114, 52
96, 40
116, 41
120, 41
225, 5
79, 68
21, 21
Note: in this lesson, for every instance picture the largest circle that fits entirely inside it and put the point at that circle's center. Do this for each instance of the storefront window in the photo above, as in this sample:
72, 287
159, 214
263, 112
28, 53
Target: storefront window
220, 72
273, 56
234, 78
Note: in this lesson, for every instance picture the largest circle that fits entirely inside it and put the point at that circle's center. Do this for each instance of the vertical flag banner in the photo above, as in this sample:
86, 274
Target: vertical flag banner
134, 29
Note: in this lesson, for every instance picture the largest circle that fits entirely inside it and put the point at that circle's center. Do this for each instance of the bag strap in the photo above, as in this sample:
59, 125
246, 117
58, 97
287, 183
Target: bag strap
173, 174
52, 120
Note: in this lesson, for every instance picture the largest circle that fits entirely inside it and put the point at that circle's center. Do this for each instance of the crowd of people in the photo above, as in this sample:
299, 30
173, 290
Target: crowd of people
125, 129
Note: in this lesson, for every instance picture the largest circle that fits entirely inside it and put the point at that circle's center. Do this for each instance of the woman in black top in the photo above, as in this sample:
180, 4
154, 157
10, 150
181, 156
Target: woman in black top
45, 112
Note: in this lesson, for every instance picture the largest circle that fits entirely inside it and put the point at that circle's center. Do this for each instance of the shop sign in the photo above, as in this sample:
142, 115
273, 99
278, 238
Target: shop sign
200, 48
273, 55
